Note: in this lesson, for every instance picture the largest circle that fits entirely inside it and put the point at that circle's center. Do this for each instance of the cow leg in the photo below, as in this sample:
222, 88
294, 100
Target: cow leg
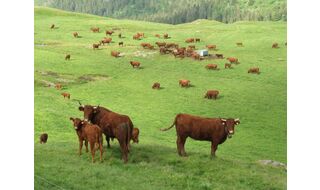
86, 144
92, 149
214, 147
80, 146
101, 151
124, 152
108, 140
178, 146
182, 142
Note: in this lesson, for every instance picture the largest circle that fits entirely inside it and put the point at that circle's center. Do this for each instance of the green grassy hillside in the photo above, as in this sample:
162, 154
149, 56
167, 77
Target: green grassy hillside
95, 77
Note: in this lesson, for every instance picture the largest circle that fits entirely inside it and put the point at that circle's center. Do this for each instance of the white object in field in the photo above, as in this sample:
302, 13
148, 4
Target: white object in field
203, 52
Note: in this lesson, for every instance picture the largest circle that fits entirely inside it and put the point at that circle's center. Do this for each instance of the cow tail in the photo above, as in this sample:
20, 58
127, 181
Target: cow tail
173, 124
96, 144
129, 133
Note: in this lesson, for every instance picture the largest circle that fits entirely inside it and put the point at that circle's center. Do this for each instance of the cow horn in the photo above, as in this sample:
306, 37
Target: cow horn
223, 120
237, 119
80, 103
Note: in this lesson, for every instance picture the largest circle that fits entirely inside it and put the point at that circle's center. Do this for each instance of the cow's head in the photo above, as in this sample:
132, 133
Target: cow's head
88, 111
135, 135
229, 125
77, 123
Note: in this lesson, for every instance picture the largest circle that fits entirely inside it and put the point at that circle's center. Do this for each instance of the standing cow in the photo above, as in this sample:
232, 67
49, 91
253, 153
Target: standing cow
215, 130
212, 94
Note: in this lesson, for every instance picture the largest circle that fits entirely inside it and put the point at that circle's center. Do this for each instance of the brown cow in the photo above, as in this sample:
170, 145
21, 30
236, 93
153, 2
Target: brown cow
115, 54
275, 45
109, 32
135, 64
67, 57
254, 70
156, 85
120, 43
120, 35
135, 135
65, 94
58, 86
211, 94
157, 35
184, 83
52, 26
136, 37
140, 34
240, 44
96, 46
113, 125
195, 55
192, 46
212, 66
232, 60
215, 130
145, 45
165, 36
197, 39
227, 65
211, 46
106, 41
75, 34
189, 40
219, 56
43, 138
161, 44
95, 29
89, 133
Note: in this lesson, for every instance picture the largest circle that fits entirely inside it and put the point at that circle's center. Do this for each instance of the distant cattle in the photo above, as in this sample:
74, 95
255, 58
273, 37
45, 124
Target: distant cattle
109, 32
67, 57
164, 50
120, 43
210, 46
192, 46
165, 36
106, 41
195, 55
189, 40
43, 138
140, 34
275, 45
52, 26
96, 46
75, 34
212, 66
255, 70
215, 130
120, 35
115, 53
210, 94
58, 86
135, 135
95, 29
240, 44
227, 65
184, 83
136, 37
232, 60
135, 64
65, 95
197, 39
219, 56
89, 133
157, 35
156, 85
159, 44
145, 45
171, 45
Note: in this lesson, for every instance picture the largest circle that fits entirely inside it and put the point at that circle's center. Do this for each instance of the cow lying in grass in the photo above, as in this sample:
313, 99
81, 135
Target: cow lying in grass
255, 70
43, 138
135, 64
88, 133
184, 83
156, 85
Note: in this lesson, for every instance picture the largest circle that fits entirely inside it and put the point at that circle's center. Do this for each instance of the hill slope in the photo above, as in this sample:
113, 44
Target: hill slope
94, 77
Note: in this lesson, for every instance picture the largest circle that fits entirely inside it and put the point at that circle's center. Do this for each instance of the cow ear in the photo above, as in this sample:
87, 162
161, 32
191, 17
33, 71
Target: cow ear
81, 108
71, 119
237, 121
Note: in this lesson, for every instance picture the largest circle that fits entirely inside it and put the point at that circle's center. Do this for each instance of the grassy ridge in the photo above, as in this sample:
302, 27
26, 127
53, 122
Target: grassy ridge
258, 100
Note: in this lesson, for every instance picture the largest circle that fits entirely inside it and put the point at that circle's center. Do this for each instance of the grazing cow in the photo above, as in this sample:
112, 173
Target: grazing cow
115, 54
89, 133
215, 130
156, 85
135, 135
197, 39
184, 83
275, 45
52, 26
219, 56
195, 55
136, 37
227, 65
212, 66
145, 45
120, 43
189, 40
58, 86
165, 36
43, 138
67, 57
75, 34
95, 29
232, 60
119, 35
192, 46
159, 44
211, 94
164, 50
157, 35
96, 46
106, 41
254, 70
211, 46
113, 125
240, 44
65, 94
135, 64
109, 32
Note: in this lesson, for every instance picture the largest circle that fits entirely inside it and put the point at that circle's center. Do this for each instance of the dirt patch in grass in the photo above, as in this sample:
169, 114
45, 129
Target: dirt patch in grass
91, 78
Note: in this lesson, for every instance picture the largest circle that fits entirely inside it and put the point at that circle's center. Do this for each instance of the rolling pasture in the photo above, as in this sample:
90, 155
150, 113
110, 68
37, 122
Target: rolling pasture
94, 77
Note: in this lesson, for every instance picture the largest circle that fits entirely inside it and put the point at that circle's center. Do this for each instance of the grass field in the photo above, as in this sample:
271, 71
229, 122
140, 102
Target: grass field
94, 77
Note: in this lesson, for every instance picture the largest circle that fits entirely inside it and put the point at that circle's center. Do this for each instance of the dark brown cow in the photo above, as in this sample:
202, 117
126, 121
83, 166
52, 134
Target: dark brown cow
159, 44
67, 57
156, 85
232, 60
212, 66
135, 135
189, 40
96, 46
227, 65
43, 138
240, 44
215, 130
65, 94
211, 46
184, 83
219, 56
211, 94
135, 64
95, 29
106, 41
58, 86
197, 39
52, 26
89, 133
109, 32
113, 125
254, 70
275, 45
120, 35
120, 43
165, 36
75, 34
115, 54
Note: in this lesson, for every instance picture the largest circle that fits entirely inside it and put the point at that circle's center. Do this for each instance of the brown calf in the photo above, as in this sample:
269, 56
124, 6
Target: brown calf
96, 46
161, 44
254, 70
212, 66
115, 54
109, 32
219, 56
65, 94
189, 40
275, 45
157, 35
156, 85
58, 86
135, 64
227, 65
43, 138
232, 60
184, 83
211, 94
89, 133
75, 34
165, 36
136, 37
93, 29
211, 46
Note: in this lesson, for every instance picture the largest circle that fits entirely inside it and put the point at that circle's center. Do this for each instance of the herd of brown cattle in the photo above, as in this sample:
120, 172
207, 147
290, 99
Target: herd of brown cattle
99, 120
